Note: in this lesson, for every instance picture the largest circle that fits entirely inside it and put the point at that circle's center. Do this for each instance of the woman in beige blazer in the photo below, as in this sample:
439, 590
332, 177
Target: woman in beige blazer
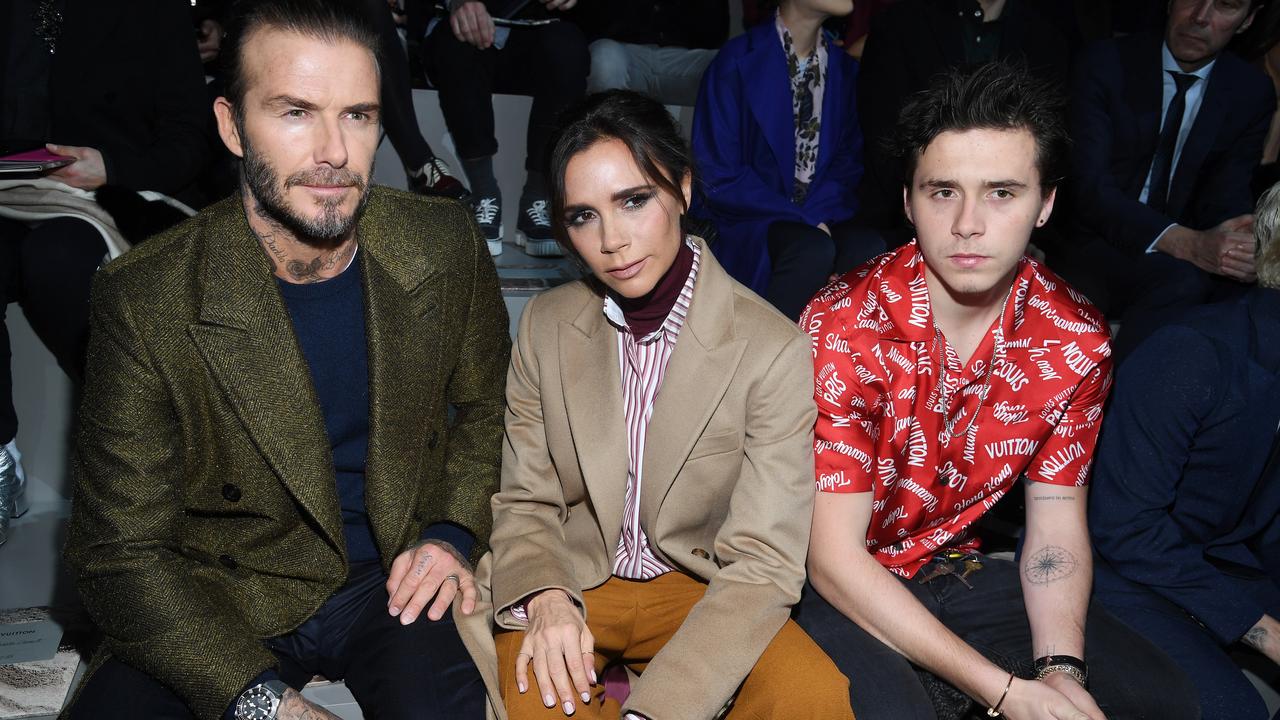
657, 477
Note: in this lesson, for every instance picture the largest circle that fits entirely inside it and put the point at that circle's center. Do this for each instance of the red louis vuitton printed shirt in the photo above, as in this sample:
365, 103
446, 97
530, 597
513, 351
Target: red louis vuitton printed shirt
896, 411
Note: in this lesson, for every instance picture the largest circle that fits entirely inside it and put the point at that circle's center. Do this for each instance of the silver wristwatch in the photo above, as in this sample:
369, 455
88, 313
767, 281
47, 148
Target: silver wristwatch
261, 702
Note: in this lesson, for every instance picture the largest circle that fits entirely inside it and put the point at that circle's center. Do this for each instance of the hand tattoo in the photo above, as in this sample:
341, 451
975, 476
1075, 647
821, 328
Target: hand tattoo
295, 707
449, 548
1256, 638
1049, 564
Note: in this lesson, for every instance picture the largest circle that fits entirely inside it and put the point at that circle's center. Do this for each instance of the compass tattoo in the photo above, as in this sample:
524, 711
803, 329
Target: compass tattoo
1049, 564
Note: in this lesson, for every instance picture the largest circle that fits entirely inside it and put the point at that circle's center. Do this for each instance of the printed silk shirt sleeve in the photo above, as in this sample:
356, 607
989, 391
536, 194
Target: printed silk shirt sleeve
848, 408
1066, 458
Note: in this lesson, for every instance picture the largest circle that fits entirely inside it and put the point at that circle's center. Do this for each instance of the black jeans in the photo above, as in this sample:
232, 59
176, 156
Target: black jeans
419, 671
549, 63
1128, 677
803, 258
398, 116
47, 270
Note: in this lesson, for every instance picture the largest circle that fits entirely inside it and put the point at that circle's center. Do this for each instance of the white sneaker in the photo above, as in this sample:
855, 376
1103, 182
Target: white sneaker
489, 218
533, 231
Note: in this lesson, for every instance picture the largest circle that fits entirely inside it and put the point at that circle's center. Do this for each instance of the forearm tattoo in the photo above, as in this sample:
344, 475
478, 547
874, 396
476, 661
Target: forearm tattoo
1256, 638
1049, 564
1068, 498
294, 707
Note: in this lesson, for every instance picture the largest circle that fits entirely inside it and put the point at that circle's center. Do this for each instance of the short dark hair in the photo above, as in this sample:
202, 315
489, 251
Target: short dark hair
995, 96
640, 122
325, 20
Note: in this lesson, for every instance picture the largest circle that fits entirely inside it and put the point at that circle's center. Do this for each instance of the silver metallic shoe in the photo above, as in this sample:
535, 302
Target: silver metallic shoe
8, 492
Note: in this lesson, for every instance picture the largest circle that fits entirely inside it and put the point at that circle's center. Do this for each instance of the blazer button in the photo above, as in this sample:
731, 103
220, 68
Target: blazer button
231, 493
435, 437
228, 562
701, 553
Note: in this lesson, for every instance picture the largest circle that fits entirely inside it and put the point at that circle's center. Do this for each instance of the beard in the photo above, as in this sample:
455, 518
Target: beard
262, 181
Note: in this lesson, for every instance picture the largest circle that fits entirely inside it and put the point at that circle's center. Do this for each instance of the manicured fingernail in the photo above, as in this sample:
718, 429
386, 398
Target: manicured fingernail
586, 698
407, 618
394, 611
593, 676
548, 701
523, 688
568, 707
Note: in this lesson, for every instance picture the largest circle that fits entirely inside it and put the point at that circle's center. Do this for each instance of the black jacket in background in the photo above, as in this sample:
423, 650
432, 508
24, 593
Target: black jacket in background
911, 42
126, 80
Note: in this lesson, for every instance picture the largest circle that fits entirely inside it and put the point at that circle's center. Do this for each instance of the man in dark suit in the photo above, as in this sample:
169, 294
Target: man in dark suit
1185, 509
291, 421
1167, 132
910, 43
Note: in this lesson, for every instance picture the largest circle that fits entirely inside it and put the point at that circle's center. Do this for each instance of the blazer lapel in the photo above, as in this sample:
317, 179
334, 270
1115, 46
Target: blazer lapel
1144, 90
1204, 130
702, 365
944, 28
592, 380
247, 341
765, 66
404, 367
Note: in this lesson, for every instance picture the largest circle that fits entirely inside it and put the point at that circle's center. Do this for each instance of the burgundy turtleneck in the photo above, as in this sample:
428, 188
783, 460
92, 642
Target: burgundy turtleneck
647, 312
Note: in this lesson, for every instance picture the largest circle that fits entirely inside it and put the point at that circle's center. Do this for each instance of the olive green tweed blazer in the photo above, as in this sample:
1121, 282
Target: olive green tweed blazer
205, 514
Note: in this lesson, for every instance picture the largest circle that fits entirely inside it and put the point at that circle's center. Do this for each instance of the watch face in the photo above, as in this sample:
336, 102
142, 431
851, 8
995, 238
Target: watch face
256, 704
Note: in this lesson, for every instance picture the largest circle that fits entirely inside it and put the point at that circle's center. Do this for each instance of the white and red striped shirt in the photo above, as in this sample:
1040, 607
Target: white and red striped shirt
644, 363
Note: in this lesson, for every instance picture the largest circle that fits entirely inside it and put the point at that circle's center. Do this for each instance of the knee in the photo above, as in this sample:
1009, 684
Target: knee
610, 66
564, 49
59, 241
825, 689
445, 54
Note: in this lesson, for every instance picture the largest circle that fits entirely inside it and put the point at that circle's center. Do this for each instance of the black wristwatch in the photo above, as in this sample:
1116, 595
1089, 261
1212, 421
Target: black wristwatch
1069, 664
261, 702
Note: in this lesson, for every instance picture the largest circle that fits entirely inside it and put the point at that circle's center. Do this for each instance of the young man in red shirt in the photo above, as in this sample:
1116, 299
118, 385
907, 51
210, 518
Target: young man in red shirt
945, 371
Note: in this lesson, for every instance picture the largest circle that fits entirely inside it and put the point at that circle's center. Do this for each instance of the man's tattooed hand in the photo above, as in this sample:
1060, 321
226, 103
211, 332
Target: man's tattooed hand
295, 707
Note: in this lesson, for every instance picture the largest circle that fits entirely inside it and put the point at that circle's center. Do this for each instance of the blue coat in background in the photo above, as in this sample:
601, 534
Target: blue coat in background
744, 147
1185, 521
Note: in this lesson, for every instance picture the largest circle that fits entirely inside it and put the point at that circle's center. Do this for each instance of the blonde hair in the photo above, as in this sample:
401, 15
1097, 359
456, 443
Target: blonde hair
1266, 231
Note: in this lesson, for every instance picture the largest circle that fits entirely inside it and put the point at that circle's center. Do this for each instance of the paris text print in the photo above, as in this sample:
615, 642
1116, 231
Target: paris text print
936, 443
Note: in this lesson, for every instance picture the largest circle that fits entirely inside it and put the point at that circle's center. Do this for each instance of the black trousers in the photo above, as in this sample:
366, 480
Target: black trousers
398, 116
1225, 693
1128, 677
803, 258
47, 270
419, 671
549, 63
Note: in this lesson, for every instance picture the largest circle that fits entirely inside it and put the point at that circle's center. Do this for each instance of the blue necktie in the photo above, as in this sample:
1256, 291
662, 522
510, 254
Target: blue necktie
1162, 164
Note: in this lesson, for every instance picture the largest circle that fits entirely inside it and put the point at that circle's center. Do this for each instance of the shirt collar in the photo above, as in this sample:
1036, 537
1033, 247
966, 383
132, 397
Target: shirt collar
675, 320
902, 295
819, 53
1170, 64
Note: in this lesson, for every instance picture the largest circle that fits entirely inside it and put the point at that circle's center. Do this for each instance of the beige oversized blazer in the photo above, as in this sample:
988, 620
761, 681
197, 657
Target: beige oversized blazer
728, 482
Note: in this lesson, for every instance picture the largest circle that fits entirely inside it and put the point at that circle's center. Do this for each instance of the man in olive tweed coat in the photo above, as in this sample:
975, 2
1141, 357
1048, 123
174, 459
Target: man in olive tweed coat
224, 494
